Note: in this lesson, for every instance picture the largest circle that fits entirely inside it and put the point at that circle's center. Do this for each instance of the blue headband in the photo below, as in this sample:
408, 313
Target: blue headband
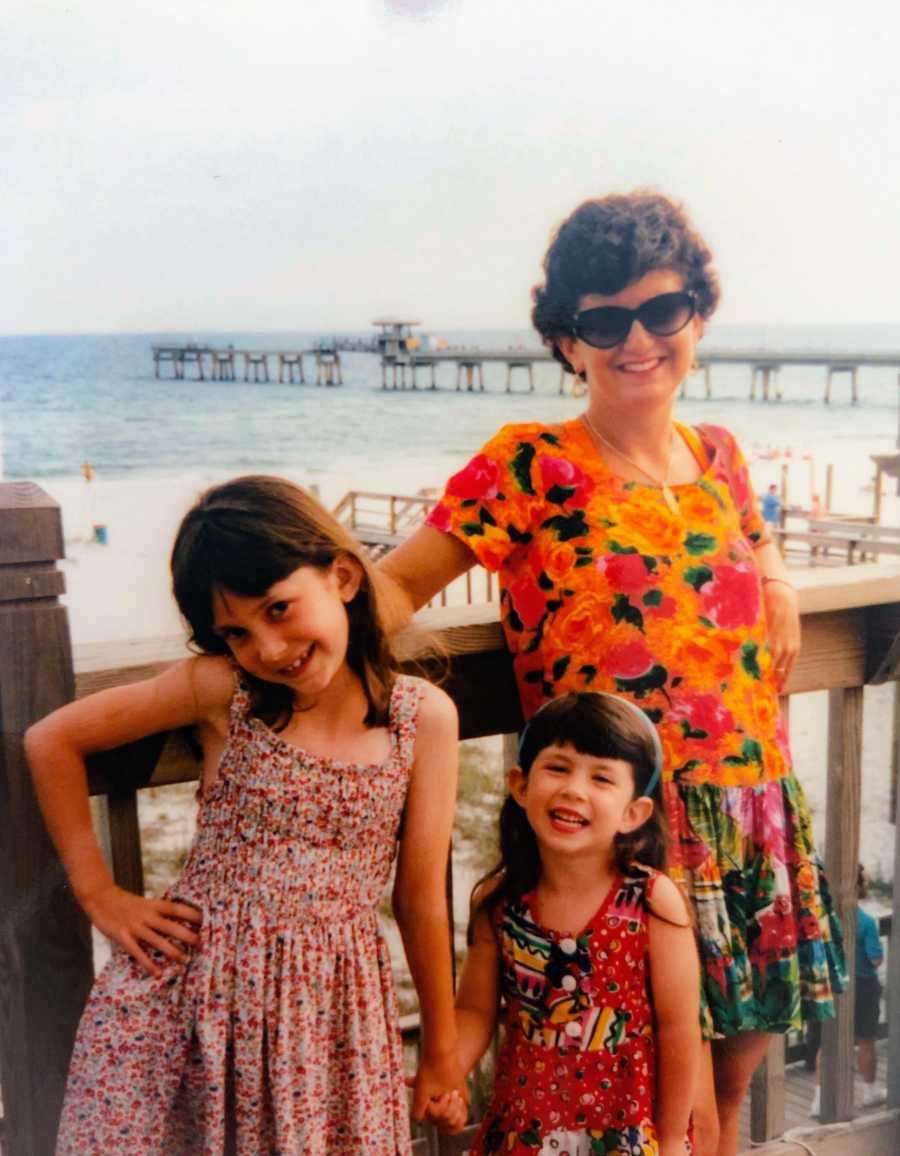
645, 722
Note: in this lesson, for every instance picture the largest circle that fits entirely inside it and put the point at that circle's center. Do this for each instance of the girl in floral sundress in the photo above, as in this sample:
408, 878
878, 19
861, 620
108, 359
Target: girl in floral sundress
589, 945
251, 1009
632, 558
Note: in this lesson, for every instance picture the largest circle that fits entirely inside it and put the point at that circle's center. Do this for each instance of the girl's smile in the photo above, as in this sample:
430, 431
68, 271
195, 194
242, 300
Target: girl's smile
576, 801
297, 632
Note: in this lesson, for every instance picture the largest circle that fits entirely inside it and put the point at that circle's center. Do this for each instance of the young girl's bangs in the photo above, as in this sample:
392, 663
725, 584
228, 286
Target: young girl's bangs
594, 725
228, 550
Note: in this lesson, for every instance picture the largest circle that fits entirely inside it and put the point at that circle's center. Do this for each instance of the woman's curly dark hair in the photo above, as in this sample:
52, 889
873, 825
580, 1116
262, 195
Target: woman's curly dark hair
610, 242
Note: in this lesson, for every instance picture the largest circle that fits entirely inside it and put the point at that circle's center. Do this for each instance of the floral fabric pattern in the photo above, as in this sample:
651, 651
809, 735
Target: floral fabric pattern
280, 1035
603, 587
577, 1068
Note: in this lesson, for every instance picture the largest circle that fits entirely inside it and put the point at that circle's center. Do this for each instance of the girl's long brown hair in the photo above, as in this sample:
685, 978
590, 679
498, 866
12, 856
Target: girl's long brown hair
248, 534
594, 724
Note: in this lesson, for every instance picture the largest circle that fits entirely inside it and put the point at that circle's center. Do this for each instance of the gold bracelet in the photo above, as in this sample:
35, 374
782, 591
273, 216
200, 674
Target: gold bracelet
765, 580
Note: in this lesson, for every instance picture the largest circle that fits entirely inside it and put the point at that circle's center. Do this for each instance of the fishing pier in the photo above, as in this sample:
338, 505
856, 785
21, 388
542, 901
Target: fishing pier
223, 363
405, 355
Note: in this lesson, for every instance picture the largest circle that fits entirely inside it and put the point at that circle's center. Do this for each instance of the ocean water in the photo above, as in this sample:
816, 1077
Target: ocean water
64, 400
155, 443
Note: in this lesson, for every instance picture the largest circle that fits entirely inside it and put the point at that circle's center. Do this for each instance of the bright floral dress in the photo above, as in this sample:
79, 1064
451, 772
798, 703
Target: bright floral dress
280, 1036
603, 587
577, 1069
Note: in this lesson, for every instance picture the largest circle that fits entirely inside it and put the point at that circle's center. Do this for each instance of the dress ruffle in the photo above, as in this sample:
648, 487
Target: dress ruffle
771, 944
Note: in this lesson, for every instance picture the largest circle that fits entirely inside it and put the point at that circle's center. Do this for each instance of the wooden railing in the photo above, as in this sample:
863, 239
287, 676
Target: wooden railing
851, 621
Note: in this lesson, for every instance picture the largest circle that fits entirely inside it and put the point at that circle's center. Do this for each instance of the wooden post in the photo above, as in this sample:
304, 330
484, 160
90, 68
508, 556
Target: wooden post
845, 714
893, 963
828, 385
46, 967
767, 1095
854, 385
829, 486
895, 757
898, 411
876, 506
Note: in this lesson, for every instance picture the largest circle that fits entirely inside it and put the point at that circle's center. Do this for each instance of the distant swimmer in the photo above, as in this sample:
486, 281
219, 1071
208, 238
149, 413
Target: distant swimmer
88, 470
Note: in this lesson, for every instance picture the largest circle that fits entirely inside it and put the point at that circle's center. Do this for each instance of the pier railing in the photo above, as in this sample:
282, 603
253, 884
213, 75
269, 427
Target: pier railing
851, 621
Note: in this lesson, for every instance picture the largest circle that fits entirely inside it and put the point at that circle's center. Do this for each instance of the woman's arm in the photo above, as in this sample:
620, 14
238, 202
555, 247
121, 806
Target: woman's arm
782, 610
675, 984
57, 746
420, 899
423, 565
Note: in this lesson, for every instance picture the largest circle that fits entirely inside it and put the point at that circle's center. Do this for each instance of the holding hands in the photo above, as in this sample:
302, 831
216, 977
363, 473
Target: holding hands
439, 1092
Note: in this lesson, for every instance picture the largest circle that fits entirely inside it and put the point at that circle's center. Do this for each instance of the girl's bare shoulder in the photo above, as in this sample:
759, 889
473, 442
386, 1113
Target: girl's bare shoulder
665, 900
436, 707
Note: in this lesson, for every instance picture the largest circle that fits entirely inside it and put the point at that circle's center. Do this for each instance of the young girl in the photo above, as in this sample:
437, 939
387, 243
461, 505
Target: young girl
251, 1009
589, 945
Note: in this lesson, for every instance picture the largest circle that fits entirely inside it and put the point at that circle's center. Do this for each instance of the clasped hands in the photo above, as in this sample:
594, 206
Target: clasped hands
440, 1096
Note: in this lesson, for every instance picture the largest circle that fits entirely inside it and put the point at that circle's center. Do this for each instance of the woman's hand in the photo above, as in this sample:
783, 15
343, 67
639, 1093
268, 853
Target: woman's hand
136, 923
783, 627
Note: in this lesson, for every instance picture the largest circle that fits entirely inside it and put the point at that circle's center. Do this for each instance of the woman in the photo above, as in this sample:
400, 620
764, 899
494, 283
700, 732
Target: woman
632, 558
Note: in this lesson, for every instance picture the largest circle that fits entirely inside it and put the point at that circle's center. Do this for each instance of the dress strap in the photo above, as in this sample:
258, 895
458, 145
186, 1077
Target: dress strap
239, 706
635, 892
406, 698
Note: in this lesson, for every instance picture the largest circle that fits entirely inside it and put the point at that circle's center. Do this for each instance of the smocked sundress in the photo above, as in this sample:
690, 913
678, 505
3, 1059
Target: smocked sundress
577, 1069
280, 1035
604, 587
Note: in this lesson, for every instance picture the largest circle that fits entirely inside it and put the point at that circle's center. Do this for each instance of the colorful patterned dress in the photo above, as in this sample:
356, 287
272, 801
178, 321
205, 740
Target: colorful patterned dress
604, 587
577, 1069
280, 1036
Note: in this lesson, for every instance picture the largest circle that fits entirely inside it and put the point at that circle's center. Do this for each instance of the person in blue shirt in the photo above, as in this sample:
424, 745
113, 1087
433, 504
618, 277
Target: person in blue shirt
867, 1005
770, 506
868, 991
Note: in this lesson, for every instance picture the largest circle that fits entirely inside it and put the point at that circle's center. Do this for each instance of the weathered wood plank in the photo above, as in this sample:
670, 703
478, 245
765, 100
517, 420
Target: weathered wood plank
845, 717
893, 962
45, 952
767, 1095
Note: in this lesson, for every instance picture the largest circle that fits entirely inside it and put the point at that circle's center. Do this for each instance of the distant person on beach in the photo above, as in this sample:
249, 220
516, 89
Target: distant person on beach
771, 506
251, 1008
587, 943
867, 1000
632, 558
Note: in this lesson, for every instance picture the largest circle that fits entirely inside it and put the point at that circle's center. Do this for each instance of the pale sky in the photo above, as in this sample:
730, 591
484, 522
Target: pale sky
302, 164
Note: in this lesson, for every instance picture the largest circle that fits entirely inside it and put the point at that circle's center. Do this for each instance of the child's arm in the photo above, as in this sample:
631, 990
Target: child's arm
476, 1015
186, 694
478, 997
420, 901
675, 984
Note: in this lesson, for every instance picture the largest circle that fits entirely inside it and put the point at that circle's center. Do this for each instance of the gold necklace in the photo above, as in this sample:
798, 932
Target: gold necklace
663, 482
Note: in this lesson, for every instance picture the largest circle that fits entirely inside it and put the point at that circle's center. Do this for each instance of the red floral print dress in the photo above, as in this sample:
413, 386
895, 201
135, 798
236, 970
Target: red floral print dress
604, 587
280, 1036
577, 1070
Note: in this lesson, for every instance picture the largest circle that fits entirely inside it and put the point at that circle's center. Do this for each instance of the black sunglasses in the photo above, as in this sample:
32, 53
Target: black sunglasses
609, 325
